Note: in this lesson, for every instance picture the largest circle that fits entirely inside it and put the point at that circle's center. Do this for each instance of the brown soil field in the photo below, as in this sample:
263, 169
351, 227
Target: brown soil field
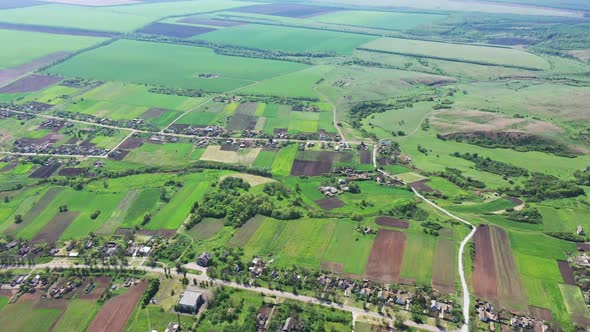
541, 313
72, 171
444, 266
122, 154
239, 122
583, 246
45, 171
160, 233
515, 200
174, 30
211, 22
567, 273
101, 285
392, 222
484, 270
430, 80
39, 107
310, 167
153, 113
124, 231
11, 74
116, 311
366, 157
56, 226
510, 291
386, 256
131, 143
330, 203
51, 304
286, 10
49, 138
9, 167
244, 233
421, 186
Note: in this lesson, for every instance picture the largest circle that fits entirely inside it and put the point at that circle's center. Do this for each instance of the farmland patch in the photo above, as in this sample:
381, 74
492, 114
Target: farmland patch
386, 256
286, 10
330, 203
116, 311
576, 306
391, 222
45, 171
379, 20
209, 21
484, 269
567, 273
206, 229
173, 30
52, 231
443, 271
214, 153
30, 83
8, 75
245, 232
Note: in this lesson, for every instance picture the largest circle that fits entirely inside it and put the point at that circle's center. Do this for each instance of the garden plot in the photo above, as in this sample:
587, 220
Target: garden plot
116, 311
386, 256
314, 163
217, 154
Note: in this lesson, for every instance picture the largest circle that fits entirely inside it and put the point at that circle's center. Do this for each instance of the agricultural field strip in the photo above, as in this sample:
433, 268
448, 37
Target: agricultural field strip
203, 103
281, 294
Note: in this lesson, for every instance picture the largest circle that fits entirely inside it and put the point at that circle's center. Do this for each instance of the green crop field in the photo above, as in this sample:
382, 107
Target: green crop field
349, 247
29, 318
297, 84
79, 314
379, 20
574, 301
141, 62
467, 53
422, 246
287, 39
27, 46
284, 160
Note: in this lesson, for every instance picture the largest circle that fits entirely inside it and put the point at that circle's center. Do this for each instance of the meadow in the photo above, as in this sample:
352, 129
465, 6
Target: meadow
147, 62
26, 46
462, 53
379, 20
287, 39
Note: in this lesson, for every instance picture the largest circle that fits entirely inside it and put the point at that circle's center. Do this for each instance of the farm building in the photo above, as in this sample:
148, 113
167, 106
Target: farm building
190, 301
203, 259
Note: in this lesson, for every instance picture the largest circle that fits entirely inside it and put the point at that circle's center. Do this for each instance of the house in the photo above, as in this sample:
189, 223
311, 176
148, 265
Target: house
203, 259
580, 231
145, 250
289, 324
190, 301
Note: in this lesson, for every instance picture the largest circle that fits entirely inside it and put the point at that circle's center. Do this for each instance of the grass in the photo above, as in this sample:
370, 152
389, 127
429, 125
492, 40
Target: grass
287, 38
540, 245
422, 246
167, 154
173, 214
349, 247
27, 46
146, 62
244, 157
480, 208
245, 232
151, 318
300, 242
379, 20
77, 316
575, 303
284, 160
23, 317
410, 177
206, 229
466, 53
547, 294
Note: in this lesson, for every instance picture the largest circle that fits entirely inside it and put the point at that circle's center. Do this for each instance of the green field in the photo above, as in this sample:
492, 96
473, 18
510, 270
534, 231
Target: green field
78, 315
297, 84
574, 301
467, 53
284, 160
23, 317
349, 247
422, 246
379, 20
146, 62
287, 39
27, 46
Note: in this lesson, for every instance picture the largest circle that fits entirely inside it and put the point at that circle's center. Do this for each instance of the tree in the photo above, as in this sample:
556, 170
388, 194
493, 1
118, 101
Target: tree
18, 219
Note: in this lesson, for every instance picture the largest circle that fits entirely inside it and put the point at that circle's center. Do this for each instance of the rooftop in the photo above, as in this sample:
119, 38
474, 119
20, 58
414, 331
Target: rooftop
190, 298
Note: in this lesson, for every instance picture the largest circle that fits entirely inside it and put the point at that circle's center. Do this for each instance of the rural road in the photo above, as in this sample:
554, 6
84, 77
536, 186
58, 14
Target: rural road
356, 312
466, 296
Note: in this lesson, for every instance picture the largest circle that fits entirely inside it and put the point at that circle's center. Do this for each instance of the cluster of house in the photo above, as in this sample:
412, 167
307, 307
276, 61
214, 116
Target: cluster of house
305, 108
133, 123
59, 290
385, 180
264, 316
55, 124
32, 146
351, 174
486, 314
227, 99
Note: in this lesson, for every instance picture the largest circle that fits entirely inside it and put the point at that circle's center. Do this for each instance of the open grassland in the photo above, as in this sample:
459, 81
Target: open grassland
77, 316
168, 154
173, 214
22, 316
462, 53
405, 120
297, 84
287, 38
379, 20
419, 269
349, 247
56, 15
216, 154
378, 197
146, 62
27, 46
300, 242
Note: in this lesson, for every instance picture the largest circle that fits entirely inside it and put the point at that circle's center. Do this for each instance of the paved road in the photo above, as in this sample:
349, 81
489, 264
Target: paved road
356, 312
